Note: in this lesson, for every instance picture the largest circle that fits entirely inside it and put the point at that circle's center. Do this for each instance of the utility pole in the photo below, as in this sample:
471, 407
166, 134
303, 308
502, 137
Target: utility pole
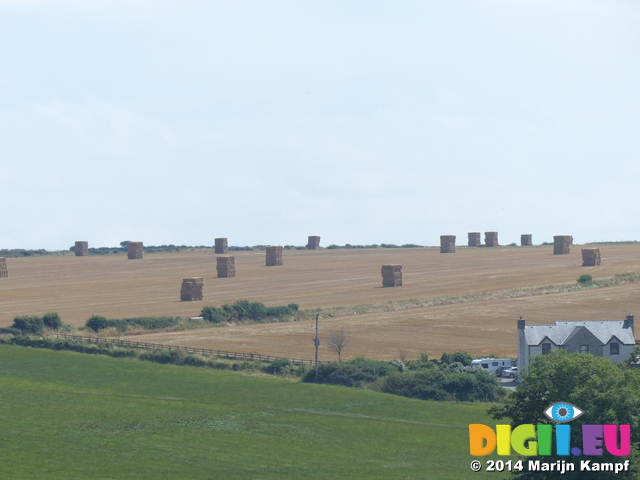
317, 342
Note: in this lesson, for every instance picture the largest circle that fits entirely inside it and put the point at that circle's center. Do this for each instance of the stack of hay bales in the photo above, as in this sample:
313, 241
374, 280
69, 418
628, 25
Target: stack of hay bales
191, 289
134, 250
491, 239
221, 245
562, 244
526, 240
4, 272
590, 257
392, 275
274, 256
474, 239
447, 244
313, 243
226, 267
82, 249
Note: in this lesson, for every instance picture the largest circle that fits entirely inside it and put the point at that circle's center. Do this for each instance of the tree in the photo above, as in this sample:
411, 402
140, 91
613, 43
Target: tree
338, 341
605, 392
97, 323
52, 320
28, 325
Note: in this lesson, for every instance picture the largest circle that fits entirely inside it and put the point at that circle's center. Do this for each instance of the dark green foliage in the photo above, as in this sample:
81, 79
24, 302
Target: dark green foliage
176, 357
446, 358
21, 252
605, 392
353, 373
445, 385
424, 379
244, 310
28, 324
278, 366
462, 357
293, 247
585, 279
96, 323
52, 320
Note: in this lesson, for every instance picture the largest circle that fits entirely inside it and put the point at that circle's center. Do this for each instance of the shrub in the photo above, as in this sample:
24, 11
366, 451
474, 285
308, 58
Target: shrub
585, 279
462, 357
245, 310
28, 325
353, 373
96, 323
445, 385
52, 320
278, 366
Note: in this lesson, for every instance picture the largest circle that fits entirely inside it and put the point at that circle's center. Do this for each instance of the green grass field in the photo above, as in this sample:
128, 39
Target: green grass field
66, 415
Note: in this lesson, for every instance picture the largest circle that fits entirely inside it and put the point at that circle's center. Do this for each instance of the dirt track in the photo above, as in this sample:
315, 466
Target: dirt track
77, 287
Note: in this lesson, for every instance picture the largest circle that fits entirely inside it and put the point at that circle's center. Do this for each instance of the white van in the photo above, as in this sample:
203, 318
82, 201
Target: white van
492, 364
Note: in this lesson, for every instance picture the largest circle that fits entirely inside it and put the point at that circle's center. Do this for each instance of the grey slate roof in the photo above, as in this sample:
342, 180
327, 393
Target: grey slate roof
603, 330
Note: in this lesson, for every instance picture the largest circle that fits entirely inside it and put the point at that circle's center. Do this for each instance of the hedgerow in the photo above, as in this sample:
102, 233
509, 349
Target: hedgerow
244, 310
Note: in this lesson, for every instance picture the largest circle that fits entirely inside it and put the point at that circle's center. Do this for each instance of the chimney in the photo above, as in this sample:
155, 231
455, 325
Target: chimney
523, 348
629, 323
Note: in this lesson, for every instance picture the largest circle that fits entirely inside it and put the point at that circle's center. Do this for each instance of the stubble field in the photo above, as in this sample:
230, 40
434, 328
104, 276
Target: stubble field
113, 286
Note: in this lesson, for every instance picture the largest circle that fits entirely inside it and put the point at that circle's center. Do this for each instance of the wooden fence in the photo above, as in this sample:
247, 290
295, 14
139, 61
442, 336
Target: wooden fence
201, 351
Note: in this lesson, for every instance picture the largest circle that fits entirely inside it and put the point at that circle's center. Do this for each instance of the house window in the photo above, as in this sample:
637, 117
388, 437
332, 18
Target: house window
614, 348
584, 348
546, 348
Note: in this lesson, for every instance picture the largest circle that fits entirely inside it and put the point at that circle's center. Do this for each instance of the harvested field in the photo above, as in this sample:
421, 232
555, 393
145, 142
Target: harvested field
77, 287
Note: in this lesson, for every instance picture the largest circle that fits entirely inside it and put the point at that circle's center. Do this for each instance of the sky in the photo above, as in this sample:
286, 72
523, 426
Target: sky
176, 122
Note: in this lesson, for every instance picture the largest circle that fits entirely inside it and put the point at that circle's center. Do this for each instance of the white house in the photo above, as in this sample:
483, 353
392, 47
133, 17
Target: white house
612, 339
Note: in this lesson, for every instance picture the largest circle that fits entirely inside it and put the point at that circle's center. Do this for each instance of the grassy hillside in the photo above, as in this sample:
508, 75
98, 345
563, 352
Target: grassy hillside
71, 416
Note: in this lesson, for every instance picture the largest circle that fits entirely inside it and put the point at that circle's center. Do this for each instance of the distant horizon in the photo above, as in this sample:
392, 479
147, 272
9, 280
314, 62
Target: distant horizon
322, 245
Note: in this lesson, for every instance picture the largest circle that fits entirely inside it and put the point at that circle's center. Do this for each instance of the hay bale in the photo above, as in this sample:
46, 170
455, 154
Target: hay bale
392, 275
4, 272
447, 244
491, 239
134, 250
274, 256
221, 245
562, 244
526, 240
226, 267
474, 239
590, 257
313, 243
82, 249
191, 289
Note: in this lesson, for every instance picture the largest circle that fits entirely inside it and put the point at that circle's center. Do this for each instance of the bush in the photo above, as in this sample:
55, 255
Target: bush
244, 310
353, 373
52, 320
96, 323
445, 385
28, 325
278, 366
462, 357
585, 279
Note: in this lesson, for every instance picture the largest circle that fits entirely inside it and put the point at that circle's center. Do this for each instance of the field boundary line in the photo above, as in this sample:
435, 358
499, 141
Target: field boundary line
202, 351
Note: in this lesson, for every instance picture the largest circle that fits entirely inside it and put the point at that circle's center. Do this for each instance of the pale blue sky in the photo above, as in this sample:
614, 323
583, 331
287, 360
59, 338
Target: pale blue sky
359, 121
